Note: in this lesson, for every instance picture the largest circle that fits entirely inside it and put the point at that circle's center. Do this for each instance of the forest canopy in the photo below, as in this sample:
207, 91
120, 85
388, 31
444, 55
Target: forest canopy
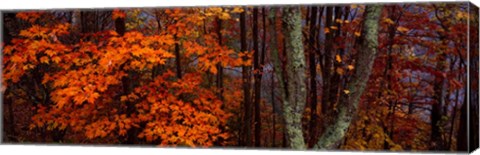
350, 77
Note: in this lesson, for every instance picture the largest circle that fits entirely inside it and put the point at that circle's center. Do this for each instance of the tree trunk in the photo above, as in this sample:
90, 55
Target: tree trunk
349, 101
334, 80
90, 21
128, 86
11, 134
462, 135
275, 59
219, 66
120, 26
453, 118
274, 111
177, 57
294, 106
256, 73
387, 76
246, 84
468, 134
474, 73
436, 141
327, 60
313, 81
279, 73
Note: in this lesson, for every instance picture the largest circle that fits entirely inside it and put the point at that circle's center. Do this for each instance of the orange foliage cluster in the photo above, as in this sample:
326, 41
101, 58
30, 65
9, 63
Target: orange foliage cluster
87, 94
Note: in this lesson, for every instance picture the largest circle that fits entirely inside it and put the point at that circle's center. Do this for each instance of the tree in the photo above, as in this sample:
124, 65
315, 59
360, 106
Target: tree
246, 82
391, 77
104, 78
351, 97
296, 100
11, 133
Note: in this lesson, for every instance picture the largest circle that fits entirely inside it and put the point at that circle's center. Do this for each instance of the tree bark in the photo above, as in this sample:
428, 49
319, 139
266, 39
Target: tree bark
177, 57
468, 134
219, 66
294, 106
334, 80
474, 77
462, 135
120, 26
313, 75
328, 62
128, 85
436, 141
275, 59
90, 21
8, 17
257, 77
348, 104
274, 111
453, 118
246, 84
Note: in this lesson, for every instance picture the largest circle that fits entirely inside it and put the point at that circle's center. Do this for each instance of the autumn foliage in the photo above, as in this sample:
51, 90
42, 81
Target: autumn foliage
214, 76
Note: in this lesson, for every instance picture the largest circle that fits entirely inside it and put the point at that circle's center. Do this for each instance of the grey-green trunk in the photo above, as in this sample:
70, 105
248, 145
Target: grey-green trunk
349, 101
295, 104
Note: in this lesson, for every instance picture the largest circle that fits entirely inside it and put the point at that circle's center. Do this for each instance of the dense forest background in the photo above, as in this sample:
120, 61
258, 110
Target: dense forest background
350, 77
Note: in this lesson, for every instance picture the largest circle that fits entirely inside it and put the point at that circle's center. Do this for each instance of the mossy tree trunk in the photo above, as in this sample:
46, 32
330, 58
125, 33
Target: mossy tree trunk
294, 105
275, 58
350, 99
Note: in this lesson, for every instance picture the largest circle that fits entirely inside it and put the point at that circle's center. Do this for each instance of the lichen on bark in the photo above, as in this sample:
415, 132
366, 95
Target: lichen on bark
349, 101
293, 109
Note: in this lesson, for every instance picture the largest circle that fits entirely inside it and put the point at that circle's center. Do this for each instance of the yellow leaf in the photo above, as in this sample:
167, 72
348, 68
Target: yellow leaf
50, 52
346, 91
213, 69
357, 34
208, 14
396, 147
402, 29
318, 67
25, 33
340, 71
350, 67
123, 98
25, 67
141, 135
338, 58
137, 52
462, 15
30, 66
56, 59
224, 16
327, 30
93, 97
334, 27
16, 58
237, 10
364, 117
44, 59
189, 143
388, 21
122, 132
362, 147
339, 21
